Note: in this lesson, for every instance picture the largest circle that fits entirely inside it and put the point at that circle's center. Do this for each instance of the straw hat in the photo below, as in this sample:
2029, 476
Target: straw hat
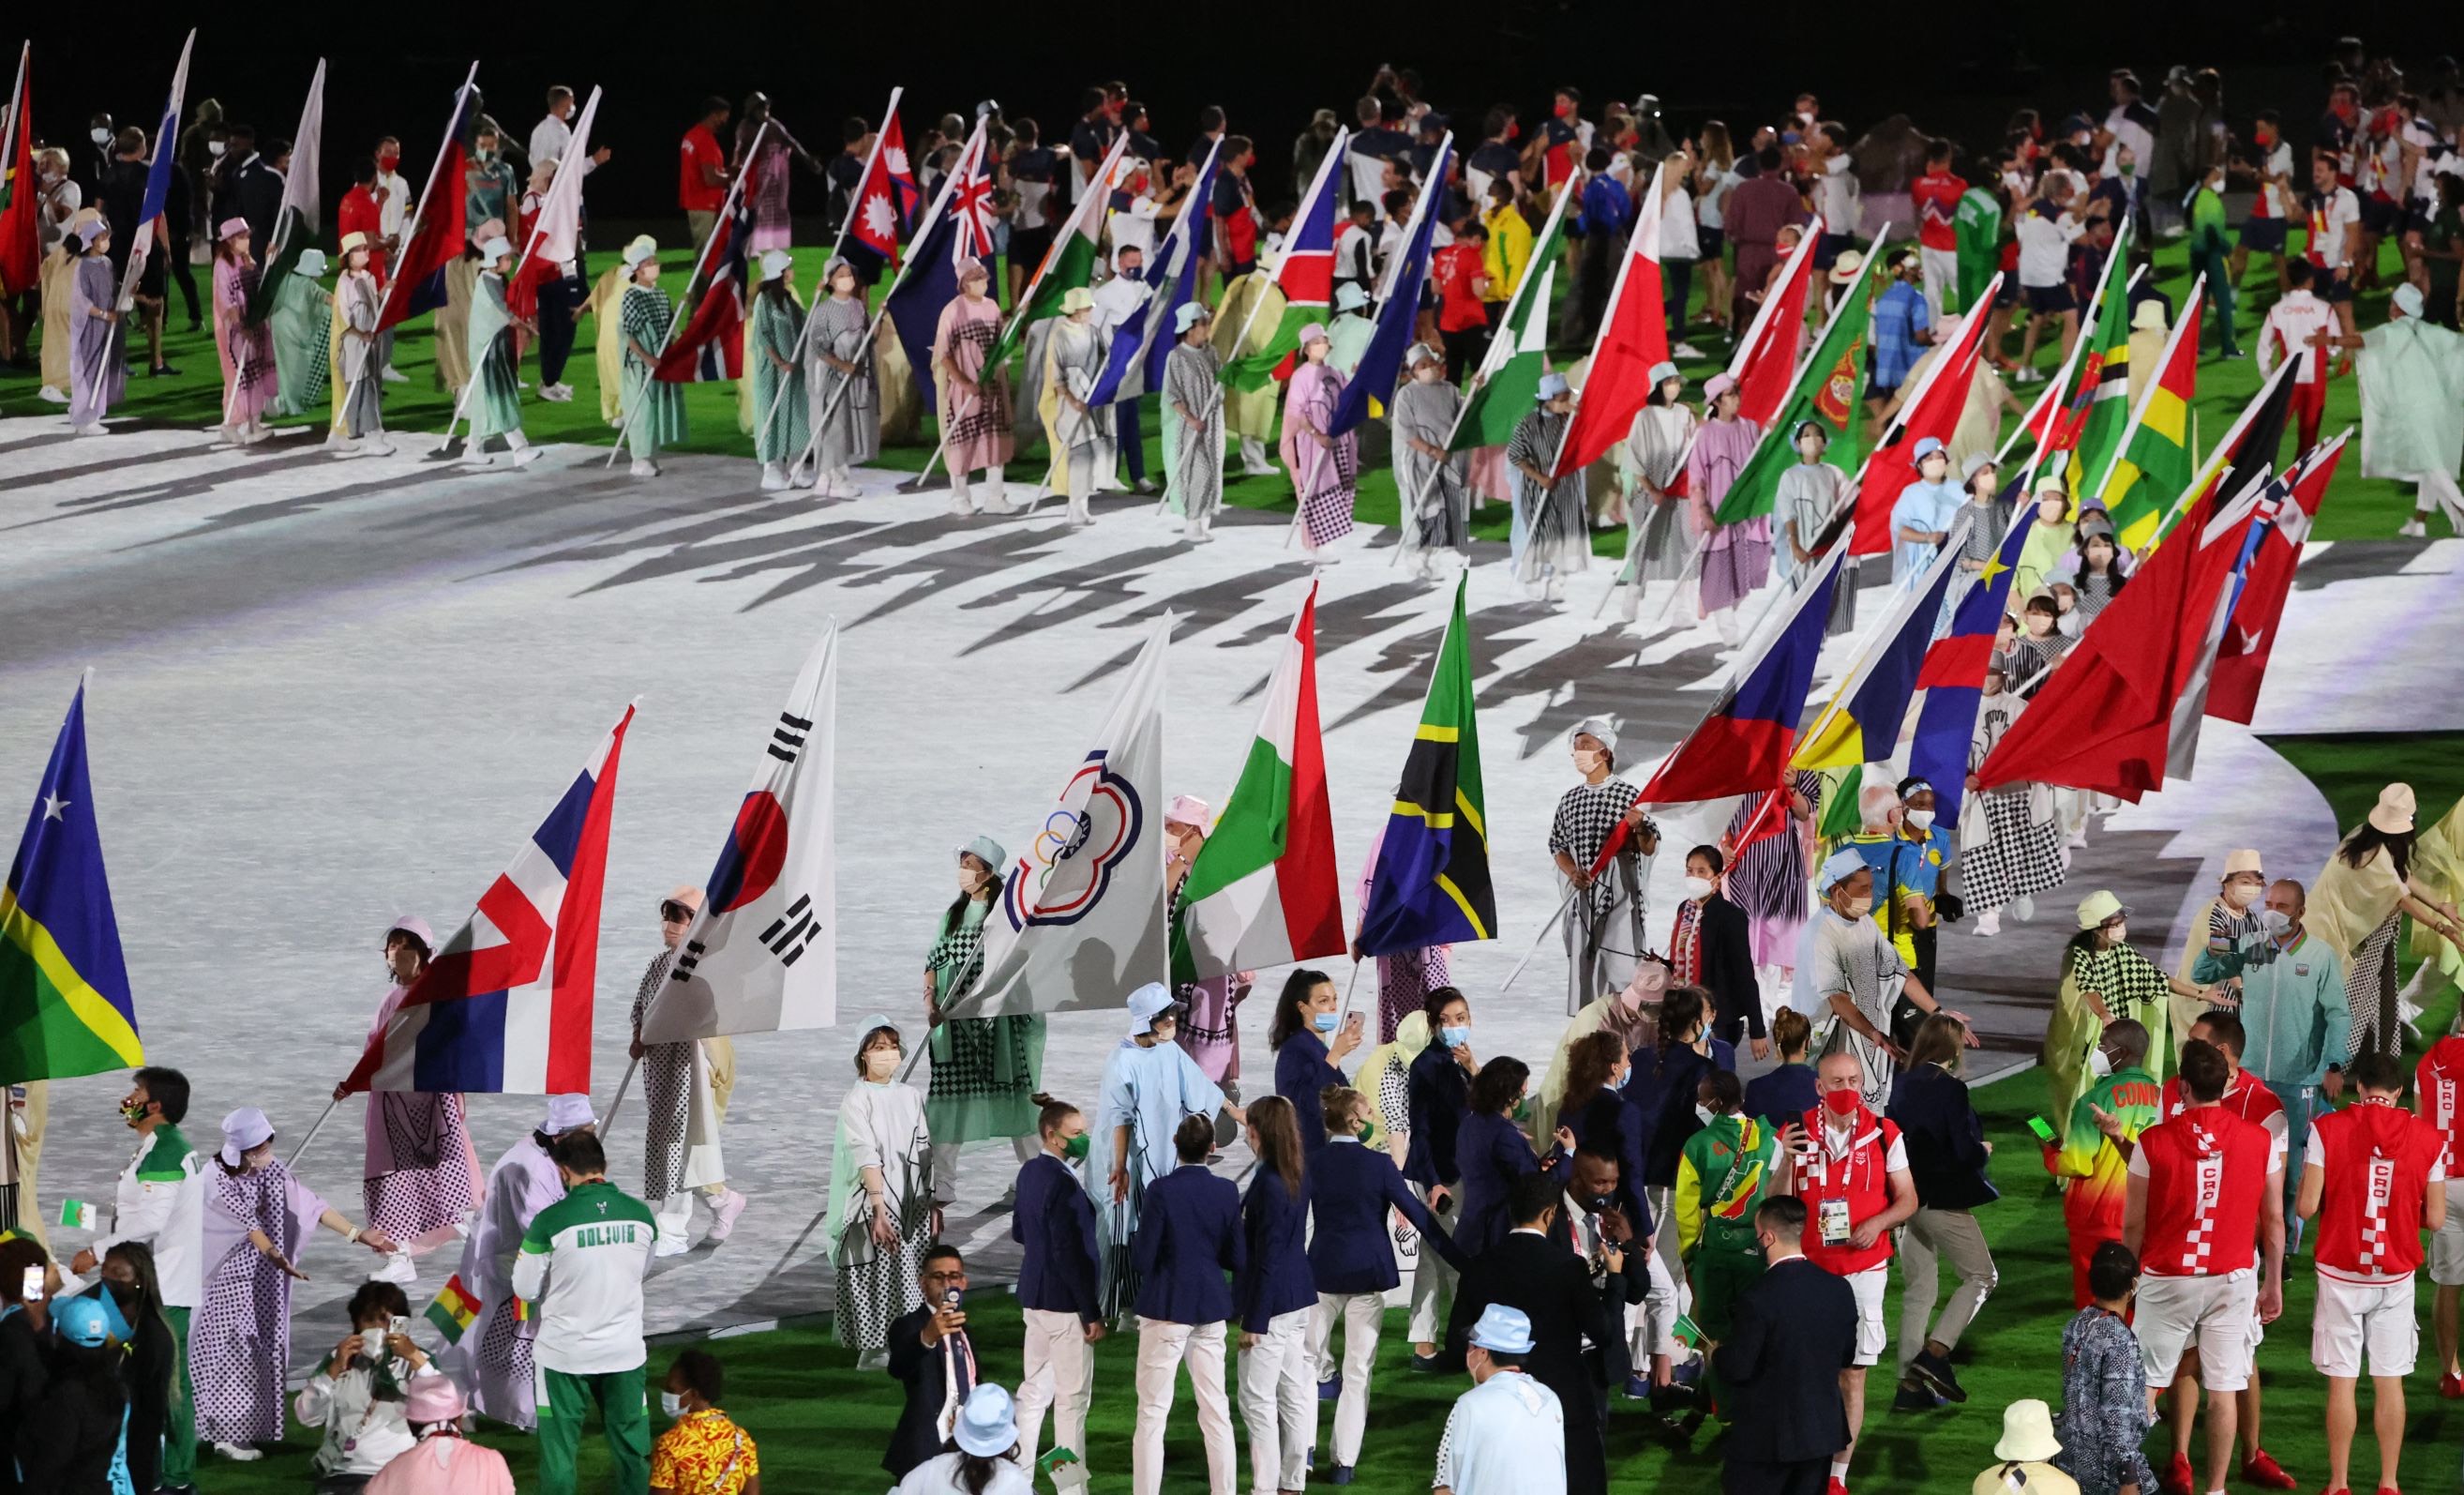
2393, 814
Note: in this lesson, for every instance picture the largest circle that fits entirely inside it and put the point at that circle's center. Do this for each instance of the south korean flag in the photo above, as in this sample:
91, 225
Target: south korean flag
762, 954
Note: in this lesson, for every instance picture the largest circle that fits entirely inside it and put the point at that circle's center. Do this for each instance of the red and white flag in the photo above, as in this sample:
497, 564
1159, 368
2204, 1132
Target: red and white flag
555, 238
1633, 340
880, 213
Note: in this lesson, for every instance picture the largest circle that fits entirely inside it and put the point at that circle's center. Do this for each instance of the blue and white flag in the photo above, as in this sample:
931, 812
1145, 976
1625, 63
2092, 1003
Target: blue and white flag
1382, 363
1145, 336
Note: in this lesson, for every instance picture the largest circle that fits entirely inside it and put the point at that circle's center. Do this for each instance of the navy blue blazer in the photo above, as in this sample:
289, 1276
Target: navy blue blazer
1493, 1153
1055, 1221
1351, 1186
1946, 1139
1671, 1076
1609, 1122
1274, 1227
1302, 1075
1189, 1235
1783, 1095
1440, 1097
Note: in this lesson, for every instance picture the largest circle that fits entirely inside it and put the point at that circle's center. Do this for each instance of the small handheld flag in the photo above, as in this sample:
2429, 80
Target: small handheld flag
456, 1309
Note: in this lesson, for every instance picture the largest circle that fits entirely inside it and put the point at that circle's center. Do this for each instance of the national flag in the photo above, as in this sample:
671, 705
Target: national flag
1743, 743
456, 1309
2058, 415
21, 254
1263, 890
877, 213
434, 237
505, 1007
556, 237
897, 168
761, 957
1305, 272
1398, 308
710, 345
158, 177
65, 1006
2105, 380
1633, 340
1952, 677
2275, 542
2235, 530
929, 278
297, 223
1080, 923
1829, 387
1430, 884
1144, 340
1508, 380
2151, 465
1763, 365
1932, 410
2103, 721
1069, 261
1861, 722
2249, 446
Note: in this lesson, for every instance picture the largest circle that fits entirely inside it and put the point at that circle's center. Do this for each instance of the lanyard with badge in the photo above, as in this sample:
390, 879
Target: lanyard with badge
1831, 1211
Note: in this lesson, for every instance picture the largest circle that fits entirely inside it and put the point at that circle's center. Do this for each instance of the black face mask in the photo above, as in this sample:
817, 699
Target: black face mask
1601, 1203
128, 1295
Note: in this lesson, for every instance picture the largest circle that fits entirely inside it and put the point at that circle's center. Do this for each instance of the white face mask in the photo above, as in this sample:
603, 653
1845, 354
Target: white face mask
2117, 932
881, 1063
2276, 920
2098, 1064
969, 880
1699, 887
214, 147
1860, 908
1921, 819
1587, 759
2241, 895
1705, 1115
99, 137
671, 1405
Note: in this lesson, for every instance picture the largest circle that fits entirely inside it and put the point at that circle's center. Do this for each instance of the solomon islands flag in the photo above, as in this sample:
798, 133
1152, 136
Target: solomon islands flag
505, 1007
1431, 883
64, 1004
1952, 676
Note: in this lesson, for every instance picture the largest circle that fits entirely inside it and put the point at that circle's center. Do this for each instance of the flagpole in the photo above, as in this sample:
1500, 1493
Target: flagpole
701, 261
608, 1120
1317, 185
1977, 309
1617, 296
804, 333
16, 95
2214, 465
313, 1128
1894, 617
122, 300
419, 209
2189, 318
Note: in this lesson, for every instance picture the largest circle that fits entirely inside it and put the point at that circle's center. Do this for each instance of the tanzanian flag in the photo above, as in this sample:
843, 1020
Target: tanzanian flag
1431, 883
64, 1003
2153, 469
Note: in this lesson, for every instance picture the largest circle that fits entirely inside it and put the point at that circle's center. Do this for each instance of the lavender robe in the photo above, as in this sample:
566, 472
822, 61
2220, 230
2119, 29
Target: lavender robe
1736, 558
1323, 477
94, 353
239, 1343
493, 1360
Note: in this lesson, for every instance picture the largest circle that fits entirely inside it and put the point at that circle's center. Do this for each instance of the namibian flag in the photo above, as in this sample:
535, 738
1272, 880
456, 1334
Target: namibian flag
64, 1003
1305, 275
1743, 742
1953, 675
1431, 883
456, 1309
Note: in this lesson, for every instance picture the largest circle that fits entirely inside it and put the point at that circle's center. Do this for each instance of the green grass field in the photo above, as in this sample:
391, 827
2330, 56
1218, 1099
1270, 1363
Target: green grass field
2357, 507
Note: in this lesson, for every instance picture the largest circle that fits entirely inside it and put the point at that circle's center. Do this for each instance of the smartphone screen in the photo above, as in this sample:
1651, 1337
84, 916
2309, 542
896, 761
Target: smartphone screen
32, 1291
2041, 1128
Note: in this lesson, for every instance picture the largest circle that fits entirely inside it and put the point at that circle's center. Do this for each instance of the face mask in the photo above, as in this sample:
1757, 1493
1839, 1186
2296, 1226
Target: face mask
1454, 1037
99, 137
1705, 1115
1810, 448
1565, 110
1586, 760
881, 1063
1842, 1103
1601, 1203
1366, 1131
1699, 887
2039, 625
1920, 820
1322, 1022
1860, 908
133, 1110
214, 149
485, 157
1521, 1108
2099, 1064
384, 163
969, 880
2241, 895
2275, 920
1075, 1148
2118, 933
2128, 168
671, 1405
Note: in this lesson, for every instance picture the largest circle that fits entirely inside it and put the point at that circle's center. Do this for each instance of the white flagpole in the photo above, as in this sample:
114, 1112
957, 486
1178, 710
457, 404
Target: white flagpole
16, 93
1617, 295
163, 140
419, 209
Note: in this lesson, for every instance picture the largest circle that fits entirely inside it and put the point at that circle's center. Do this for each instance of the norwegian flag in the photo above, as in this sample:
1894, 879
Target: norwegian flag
505, 1007
711, 347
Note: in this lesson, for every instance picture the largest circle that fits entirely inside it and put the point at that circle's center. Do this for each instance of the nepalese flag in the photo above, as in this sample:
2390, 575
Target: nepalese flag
505, 1007
1933, 410
900, 171
1381, 365
1632, 340
1744, 742
1861, 723
1952, 677
1306, 276
1431, 884
2152, 466
21, 254
711, 345
437, 238
65, 1008
880, 211
2285, 512
1263, 890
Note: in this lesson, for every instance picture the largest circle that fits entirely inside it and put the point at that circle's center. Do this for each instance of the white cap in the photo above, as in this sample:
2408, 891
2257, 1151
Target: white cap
243, 1130
1599, 727
1148, 1003
568, 1113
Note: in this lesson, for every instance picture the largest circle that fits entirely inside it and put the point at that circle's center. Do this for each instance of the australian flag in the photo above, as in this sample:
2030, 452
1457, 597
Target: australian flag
711, 345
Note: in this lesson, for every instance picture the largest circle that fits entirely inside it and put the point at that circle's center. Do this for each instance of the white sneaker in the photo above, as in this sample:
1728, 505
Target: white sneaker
772, 478
1146, 485
523, 456
52, 396
238, 1453
2023, 907
2414, 529
397, 1267
393, 375
479, 457
672, 1246
557, 393
92, 427
1684, 351
961, 506
724, 1215
1250, 469
998, 504
643, 467
1988, 923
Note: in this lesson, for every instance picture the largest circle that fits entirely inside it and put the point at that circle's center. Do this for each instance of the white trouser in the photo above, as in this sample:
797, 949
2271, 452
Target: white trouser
945, 1165
1433, 1281
1669, 1296
1363, 1315
1060, 1375
1279, 1403
1941, 267
1161, 1348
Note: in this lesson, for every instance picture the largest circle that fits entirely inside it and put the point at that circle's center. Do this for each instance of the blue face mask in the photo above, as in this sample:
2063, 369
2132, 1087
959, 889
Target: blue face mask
1322, 1022
1454, 1037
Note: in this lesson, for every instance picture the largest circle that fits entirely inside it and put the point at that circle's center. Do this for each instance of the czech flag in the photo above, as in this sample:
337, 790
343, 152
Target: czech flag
505, 1007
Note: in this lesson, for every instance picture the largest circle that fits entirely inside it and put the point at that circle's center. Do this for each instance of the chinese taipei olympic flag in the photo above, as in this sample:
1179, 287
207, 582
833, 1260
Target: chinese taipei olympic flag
762, 954
1080, 924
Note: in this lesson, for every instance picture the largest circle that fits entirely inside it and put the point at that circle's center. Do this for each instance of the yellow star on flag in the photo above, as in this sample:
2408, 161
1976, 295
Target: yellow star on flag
1993, 567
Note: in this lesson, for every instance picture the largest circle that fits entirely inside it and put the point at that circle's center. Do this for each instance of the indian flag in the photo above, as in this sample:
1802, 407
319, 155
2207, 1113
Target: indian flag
1263, 890
1508, 379
295, 224
456, 1309
2153, 466
1069, 264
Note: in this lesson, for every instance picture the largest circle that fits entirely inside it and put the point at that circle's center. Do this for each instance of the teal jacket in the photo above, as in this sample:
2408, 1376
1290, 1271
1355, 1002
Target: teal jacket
2293, 1008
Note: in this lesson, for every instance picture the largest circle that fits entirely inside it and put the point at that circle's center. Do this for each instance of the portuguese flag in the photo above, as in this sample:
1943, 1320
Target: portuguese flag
1068, 265
1830, 387
1508, 380
1263, 890
2153, 467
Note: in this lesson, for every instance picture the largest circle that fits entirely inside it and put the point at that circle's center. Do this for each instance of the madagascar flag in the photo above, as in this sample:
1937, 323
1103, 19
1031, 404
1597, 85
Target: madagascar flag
64, 1003
1431, 883
2153, 469
438, 238
1743, 743
1952, 676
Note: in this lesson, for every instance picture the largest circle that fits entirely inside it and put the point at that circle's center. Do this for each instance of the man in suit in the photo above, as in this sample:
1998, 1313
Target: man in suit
1055, 1222
1795, 1333
930, 1355
1534, 1270
1189, 1237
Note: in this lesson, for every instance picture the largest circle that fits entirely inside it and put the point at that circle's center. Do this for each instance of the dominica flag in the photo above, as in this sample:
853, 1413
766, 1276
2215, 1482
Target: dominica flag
456, 1309
2151, 467
1263, 890
1829, 387
65, 1008
296, 223
21, 264
1069, 263
1430, 885
1952, 677
1509, 373
1861, 722
2104, 380
1306, 276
